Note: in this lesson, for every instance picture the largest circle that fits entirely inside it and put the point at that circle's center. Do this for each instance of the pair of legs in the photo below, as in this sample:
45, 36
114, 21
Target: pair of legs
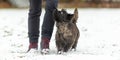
34, 20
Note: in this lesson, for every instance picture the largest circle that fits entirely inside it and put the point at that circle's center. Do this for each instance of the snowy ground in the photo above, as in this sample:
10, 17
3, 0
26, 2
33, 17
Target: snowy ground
99, 40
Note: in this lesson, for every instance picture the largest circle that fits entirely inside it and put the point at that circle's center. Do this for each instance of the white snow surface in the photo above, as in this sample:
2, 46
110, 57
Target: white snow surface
99, 36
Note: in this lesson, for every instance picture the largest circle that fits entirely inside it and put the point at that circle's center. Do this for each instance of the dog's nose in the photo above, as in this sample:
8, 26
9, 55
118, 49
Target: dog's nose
61, 12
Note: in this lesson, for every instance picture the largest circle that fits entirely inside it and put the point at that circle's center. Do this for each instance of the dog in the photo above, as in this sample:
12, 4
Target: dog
67, 33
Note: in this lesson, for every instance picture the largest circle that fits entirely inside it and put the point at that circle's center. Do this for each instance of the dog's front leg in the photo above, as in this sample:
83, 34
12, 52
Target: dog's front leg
76, 41
60, 46
68, 46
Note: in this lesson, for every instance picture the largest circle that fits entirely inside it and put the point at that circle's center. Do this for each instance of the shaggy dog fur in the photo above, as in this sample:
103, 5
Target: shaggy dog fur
67, 32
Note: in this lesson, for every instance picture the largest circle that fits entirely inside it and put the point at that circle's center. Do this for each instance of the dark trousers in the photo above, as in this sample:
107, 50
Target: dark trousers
34, 19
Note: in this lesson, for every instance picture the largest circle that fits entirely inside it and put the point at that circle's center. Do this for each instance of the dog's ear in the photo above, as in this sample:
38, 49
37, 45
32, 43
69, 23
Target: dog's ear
75, 16
56, 15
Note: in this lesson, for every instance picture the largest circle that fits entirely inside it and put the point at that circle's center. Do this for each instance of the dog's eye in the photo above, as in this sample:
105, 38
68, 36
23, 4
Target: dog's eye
59, 11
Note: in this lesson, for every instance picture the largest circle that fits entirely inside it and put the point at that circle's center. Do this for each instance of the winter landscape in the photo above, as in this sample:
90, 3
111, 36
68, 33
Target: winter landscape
99, 36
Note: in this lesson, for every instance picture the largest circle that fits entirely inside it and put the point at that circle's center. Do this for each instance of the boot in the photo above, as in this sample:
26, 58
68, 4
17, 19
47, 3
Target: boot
45, 45
33, 45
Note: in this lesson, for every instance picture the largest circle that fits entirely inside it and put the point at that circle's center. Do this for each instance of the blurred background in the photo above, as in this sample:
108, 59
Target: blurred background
64, 3
98, 22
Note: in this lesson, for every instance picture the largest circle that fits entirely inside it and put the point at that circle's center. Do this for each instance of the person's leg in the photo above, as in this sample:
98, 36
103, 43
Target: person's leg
33, 22
48, 23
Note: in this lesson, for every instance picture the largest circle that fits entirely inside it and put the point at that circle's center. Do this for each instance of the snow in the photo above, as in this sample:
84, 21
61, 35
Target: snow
99, 36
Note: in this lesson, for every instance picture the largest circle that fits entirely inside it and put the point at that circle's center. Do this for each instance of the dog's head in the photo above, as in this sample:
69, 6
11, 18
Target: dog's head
63, 16
64, 20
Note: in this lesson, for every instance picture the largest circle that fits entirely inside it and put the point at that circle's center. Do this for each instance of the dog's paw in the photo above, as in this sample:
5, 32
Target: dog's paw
73, 49
60, 52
